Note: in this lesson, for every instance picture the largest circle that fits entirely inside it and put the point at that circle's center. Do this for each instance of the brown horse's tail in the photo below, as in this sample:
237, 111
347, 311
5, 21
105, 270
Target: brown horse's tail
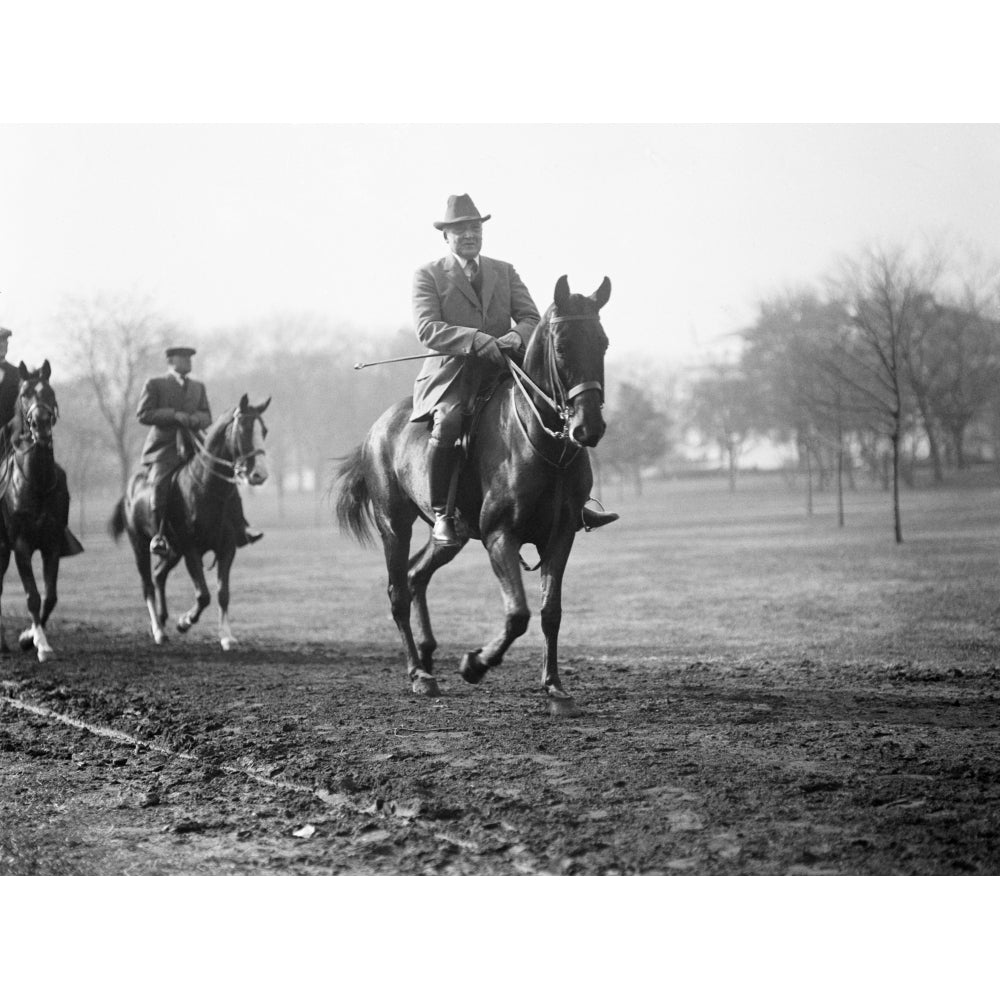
354, 501
116, 525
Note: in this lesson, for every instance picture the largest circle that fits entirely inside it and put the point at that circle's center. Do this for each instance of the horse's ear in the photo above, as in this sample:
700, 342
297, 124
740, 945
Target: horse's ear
244, 403
263, 406
22, 369
46, 370
603, 293
561, 294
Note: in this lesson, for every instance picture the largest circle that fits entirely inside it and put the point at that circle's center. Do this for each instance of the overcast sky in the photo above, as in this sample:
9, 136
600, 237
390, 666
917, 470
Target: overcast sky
224, 225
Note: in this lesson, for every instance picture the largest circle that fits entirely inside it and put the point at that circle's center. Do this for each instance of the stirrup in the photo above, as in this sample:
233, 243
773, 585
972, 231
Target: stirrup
443, 532
590, 520
158, 545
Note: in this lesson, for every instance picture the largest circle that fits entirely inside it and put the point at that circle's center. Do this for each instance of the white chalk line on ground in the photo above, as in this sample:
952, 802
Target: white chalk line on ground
120, 737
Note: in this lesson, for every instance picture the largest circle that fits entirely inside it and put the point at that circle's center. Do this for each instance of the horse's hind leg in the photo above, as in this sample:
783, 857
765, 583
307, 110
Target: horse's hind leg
396, 543
422, 567
226, 638
505, 558
158, 612
202, 597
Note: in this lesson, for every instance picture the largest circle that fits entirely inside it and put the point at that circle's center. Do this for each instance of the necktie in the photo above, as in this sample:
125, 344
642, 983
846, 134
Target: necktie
474, 277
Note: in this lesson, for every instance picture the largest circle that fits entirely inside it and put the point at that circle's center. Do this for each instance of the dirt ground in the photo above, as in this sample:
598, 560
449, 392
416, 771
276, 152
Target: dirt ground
317, 760
762, 693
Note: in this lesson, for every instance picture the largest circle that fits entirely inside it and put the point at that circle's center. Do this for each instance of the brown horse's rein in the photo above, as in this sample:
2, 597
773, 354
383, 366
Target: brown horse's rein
558, 407
238, 465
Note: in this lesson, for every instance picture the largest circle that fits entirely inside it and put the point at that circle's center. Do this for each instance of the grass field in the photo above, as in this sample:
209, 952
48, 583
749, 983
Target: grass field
690, 572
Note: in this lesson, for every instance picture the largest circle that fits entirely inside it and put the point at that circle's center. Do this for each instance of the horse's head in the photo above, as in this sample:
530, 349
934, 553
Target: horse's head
577, 345
246, 441
37, 408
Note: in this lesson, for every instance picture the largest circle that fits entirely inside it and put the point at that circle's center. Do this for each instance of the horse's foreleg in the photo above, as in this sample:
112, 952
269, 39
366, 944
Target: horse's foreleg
34, 635
225, 564
552, 570
422, 567
158, 606
202, 598
505, 559
4, 563
396, 543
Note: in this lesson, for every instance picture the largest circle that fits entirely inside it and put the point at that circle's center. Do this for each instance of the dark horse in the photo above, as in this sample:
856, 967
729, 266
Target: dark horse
526, 480
197, 518
34, 508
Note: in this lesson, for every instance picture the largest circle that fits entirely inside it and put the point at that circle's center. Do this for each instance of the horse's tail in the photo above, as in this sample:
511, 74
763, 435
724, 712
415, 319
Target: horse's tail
354, 502
116, 524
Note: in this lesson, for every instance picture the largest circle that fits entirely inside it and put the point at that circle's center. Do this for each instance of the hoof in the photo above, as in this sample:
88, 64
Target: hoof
45, 654
160, 639
26, 641
227, 643
183, 625
472, 668
426, 685
563, 706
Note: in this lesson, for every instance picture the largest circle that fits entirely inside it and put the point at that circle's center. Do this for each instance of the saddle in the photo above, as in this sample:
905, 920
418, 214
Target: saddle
471, 421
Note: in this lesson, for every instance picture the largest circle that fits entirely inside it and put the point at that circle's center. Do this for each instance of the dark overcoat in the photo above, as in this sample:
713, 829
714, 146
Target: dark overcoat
450, 318
162, 399
9, 388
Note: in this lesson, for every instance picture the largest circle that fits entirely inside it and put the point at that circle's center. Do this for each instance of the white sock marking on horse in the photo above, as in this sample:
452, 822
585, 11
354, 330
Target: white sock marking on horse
154, 621
226, 636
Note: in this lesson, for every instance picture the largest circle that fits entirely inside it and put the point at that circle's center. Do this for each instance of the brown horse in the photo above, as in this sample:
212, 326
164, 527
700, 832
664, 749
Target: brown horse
525, 480
34, 508
196, 520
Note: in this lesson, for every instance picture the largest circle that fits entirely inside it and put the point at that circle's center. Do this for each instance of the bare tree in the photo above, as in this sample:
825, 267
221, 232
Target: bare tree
883, 291
114, 344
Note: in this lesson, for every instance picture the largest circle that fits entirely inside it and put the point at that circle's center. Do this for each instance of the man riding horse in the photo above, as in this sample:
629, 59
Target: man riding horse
472, 309
175, 408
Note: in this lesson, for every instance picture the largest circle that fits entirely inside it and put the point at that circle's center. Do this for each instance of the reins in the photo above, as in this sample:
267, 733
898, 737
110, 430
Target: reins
237, 467
559, 405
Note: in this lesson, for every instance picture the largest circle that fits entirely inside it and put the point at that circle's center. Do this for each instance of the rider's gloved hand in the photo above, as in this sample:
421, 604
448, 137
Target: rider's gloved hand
182, 418
487, 347
510, 341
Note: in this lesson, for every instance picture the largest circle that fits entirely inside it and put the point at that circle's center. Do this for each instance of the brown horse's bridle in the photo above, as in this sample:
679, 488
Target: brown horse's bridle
239, 466
561, 404
28, 415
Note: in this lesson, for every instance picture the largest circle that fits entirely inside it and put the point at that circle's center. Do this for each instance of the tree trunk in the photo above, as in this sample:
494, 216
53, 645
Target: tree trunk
897, 523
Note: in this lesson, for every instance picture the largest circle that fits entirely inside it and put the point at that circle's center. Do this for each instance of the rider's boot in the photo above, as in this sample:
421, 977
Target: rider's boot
158, 544
597, 518
248, 536
440, 465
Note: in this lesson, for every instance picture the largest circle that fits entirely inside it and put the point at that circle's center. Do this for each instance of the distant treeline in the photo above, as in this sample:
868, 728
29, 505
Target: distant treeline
896, 361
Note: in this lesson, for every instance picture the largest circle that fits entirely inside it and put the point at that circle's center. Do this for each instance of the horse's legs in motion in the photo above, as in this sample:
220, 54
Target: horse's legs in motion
4, 563
396, 536
158, 612
552, 569
505, 558
202, 596
34, 635
422, 567
224, 565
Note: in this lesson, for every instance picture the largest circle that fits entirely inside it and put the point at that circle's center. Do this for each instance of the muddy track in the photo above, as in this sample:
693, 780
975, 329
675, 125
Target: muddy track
317, 759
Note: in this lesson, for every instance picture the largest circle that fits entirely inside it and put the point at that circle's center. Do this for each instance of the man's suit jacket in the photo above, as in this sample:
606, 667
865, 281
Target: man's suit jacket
9, 388
162, 397
451, 319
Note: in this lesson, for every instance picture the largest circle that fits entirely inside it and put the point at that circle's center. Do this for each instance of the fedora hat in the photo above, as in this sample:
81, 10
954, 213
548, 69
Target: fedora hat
461, 208
188, 351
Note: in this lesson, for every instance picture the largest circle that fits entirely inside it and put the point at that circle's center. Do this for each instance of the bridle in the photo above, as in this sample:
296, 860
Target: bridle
237, 469
561, 400
28, 417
